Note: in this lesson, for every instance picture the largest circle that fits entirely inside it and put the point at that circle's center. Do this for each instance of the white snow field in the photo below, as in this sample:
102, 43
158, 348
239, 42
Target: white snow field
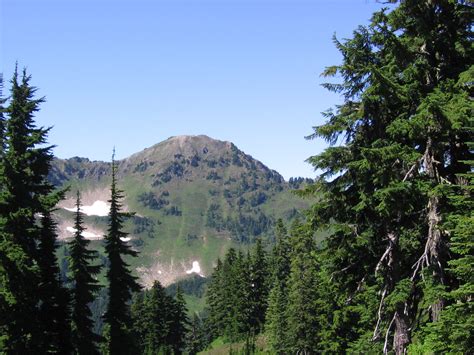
98, 208
195, 269
92, 236
86, 234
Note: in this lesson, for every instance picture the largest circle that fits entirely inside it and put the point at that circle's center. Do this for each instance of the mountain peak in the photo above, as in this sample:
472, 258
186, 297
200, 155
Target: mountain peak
194, 196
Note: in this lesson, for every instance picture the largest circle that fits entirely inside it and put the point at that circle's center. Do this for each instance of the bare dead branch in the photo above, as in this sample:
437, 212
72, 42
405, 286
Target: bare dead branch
385, 345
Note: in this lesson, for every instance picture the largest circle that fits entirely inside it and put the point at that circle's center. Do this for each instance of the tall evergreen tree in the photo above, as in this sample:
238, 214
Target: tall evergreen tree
25, 166
276, 324
228, 297
157, 320
454, 331
2, 123
121, 282
3, 301
238, 291
178, 323
195, 337
402, 142
84, 287
301, 310
259, 281
54, 298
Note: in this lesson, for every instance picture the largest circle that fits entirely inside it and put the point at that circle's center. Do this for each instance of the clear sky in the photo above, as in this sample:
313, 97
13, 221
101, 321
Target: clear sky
131, 73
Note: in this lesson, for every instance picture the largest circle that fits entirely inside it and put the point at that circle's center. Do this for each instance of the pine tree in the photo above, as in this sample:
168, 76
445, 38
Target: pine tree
157, 320
3, 301
301, 310
121, 282
54, 298
276, 324
2, 124
178, 323
24, 168
238, 290
195, 337
228, 297
454, 331
259, 281
401, 142
84, 287
276, 317
215, 301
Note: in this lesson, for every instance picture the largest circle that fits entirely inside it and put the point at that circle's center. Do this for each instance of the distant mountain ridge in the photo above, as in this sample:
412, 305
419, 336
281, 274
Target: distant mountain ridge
194, 197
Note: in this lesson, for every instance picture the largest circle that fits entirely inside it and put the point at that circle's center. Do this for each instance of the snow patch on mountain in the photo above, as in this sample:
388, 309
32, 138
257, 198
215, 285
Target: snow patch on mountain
86, 234
195, 269
93, 236
98, 208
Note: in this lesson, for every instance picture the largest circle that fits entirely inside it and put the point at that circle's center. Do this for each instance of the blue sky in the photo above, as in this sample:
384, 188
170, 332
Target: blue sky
131, 73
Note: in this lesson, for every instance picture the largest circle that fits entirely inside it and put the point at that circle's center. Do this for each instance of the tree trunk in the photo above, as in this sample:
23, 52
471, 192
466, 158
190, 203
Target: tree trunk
401, 338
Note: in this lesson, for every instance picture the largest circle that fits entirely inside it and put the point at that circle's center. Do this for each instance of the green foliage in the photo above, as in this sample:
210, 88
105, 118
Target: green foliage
259, 287
399, 146
276, 325
121, 282
301, 310
159, 321
194, 285
196, 336
29, 276
237, 294
54, 298
84, 287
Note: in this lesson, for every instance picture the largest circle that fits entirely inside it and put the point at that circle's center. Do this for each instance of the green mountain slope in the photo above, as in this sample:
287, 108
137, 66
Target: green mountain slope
193, 196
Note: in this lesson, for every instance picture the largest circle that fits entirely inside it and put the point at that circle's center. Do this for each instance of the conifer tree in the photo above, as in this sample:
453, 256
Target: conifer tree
301, 310
454, 331
3, 301
178, 323
121, 282
400, 142
259, 281
84, 287
215, 301
195, 337
276, 317
159, 321
238, 290
2, 124
24, 168
54, 298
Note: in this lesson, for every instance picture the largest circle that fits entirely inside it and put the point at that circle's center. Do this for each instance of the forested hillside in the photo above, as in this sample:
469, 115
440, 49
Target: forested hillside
374, 256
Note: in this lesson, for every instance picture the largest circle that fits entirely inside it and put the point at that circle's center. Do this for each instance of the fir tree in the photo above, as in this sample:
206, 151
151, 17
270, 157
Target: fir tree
195, 337
401, 142
84, 287
3, 295
259, 281
454, 330
238, 288
276, 324
121, 282
276, 320
178, 323
215, 301
54, 298
157, 319
24, 167
301, 310
2, 124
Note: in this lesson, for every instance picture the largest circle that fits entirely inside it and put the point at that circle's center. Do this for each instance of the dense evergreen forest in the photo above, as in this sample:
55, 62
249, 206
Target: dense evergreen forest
395, 199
